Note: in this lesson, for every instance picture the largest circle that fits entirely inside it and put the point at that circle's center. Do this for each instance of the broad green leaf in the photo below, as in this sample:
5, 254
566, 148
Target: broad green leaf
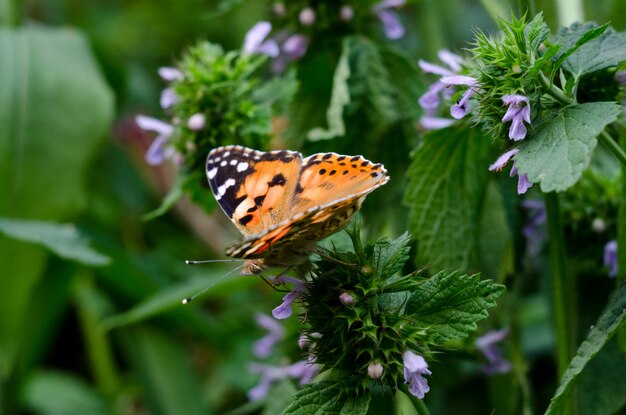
587, 36
63, 240
339, 99
279, 397
609, 395
389, 257
450, 305
611, 319
55, 109
59, 393
599, 51
162, 365
447, 184
495, 239
561, 147
327, 398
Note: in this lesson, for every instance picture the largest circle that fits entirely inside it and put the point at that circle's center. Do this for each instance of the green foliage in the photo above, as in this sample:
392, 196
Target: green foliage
451, 305
562, 144
445, 193
326, 398
63, 240
387, 314
611, 319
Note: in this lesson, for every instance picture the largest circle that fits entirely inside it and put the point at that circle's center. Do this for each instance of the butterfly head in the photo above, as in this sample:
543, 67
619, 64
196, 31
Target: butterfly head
253, 266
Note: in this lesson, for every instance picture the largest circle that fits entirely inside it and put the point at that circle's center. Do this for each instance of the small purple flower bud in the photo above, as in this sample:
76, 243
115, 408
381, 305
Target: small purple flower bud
610, 258
307, 16
279, 9
598, 225
168, 98
196, 122
523, 184
518, 113
346, 298
375, 370
168, 73
487, 345
503, 160
393, 28
414, 368
304, 342
620, 76
295, 46
346, 13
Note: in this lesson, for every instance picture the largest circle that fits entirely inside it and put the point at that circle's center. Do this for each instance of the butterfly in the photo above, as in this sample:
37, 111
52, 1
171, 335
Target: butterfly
283, 203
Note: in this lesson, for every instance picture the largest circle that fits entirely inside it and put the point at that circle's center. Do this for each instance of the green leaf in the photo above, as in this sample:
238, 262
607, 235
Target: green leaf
175, 193
63, 240
162, 365
561, 147
447, 182
613, 316
327, 398
390, 256
55, 110
589, 35
599, 51
339, 99
451, 305
59, 393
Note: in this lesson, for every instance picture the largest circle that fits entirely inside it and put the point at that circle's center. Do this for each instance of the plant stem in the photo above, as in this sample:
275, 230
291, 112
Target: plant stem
558, 279
613, 147
420, 406
554, 91
9, 12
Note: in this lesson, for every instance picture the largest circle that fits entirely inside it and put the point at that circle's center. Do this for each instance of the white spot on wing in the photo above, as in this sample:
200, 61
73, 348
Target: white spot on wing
211, 173
223, 163
233, 162
222, 189
242, 166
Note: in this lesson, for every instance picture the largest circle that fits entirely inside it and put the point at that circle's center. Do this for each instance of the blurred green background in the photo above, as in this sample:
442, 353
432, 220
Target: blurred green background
87, 334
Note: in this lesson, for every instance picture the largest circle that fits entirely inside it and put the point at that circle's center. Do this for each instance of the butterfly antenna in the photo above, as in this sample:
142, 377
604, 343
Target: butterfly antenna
213, 284
208, 261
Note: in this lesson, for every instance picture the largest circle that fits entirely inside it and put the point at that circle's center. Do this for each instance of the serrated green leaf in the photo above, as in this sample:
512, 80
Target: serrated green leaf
452, 304
339, 99
611, 319
389, 257
326, 398
601, 50
447, 182
589, 35
561, 147
63, 240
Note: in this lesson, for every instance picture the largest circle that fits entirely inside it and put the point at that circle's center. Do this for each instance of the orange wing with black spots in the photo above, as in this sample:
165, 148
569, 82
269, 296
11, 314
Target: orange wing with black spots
283, 204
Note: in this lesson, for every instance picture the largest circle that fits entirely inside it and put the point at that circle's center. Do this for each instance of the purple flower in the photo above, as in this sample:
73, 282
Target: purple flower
168, 98
158, 150
196, 122
428, 122
255, 42
303, 370
461, 108
263, 347
430, 99
523, 183
307, 16
503, 160
518, 113
487, 345
295, 46
392, 26
415, 367
610, 257
284, 310
168, 73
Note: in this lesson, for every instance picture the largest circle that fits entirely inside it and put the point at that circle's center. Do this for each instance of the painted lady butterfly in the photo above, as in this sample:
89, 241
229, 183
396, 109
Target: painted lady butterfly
284, 204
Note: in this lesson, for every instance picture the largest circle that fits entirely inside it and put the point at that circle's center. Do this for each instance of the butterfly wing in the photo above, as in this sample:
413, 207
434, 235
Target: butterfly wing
340, 194
254, 188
